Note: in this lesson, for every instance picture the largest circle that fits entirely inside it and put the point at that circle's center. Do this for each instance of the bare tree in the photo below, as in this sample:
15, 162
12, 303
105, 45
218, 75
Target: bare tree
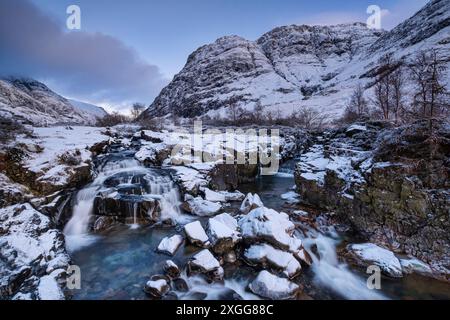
137, 109
235, 112
397, 84
430, 96
309, 118
258, 113
357, 106
389, 88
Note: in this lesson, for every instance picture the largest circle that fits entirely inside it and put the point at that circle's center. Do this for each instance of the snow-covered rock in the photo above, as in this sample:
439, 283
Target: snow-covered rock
266, 255
291, 197
370, 254
214, 196
251, 201
204, 262
233, 195
263, 224
171, 269
190, 180
414, 265
170, 245
62, 157
272, 287
200, 207
32, 252
157, 288
196, 234
223, 232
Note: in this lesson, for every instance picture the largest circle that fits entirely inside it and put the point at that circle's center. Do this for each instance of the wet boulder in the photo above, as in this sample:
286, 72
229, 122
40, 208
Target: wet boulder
223, 232
214, 196
267, 256
157, 288
127, 208
169, 245
267, 225
200, 207
205, 263
171, 269
367, 254
251, 201
196, 234
272, 287
104, 223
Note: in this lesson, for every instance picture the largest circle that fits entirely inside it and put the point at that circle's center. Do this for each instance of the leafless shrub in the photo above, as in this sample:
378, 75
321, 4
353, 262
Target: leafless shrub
112, 119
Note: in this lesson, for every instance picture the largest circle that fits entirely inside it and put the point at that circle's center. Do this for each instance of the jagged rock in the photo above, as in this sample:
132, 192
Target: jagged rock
196, 234
369, 254
189, 180
103, 223
170, 245
230, 176
204, 262
126, 208
171, 269
272, 287
377, 183
223, 232
267, 255
33, 254
153, 154
12, 193
251, 202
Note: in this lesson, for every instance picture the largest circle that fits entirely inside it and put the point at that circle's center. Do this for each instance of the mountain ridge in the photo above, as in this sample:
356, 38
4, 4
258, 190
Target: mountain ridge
295, 66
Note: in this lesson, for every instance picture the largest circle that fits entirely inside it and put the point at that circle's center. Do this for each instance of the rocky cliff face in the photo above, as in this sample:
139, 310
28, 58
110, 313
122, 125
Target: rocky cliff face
390, 185
31, 102
294, 66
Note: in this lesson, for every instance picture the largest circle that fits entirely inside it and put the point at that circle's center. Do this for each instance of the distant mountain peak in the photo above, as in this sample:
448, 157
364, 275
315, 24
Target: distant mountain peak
295, 66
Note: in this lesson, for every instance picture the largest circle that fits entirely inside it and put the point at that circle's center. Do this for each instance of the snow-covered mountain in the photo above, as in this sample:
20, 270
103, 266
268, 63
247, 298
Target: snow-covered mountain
294, 66
87, 108
32, 102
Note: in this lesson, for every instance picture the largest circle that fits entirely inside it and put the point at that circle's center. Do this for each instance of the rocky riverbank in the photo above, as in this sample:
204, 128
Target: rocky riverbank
370, 179
390, 185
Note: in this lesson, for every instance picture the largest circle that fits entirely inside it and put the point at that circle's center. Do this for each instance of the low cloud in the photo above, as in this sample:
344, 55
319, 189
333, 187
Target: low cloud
90, 66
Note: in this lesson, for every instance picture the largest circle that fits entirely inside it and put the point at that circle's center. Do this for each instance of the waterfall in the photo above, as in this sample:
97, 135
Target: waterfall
336, 276
76, 230
157, 184
169, 199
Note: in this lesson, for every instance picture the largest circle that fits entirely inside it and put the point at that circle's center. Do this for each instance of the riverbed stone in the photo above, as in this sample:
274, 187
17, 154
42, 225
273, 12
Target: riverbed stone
197, 235
205, 263
272, 287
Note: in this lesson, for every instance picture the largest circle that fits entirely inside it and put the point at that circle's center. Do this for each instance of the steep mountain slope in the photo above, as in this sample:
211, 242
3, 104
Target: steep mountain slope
87, 108
295, 66
32, 102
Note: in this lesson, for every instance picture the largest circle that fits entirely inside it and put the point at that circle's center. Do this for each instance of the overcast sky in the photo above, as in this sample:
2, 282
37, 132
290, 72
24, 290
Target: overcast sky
127, 50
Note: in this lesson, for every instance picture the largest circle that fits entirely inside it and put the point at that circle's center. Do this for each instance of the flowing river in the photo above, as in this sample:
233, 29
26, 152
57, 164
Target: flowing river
116, 264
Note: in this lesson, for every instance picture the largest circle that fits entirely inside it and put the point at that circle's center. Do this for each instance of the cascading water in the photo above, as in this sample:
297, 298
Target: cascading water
76, 230
330, 273
169, 200
124, 171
